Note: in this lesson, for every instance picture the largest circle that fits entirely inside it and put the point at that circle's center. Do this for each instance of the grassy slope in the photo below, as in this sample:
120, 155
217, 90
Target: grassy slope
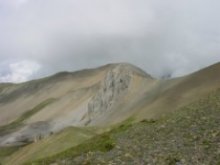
19, 122
25, 96
175, 93
6, 151
182, 92
52, 145
190, 135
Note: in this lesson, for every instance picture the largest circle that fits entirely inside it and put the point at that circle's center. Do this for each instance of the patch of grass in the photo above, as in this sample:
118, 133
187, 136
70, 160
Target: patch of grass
6, 151
172, 159
123, 126
56, 143
149, 121
189, 135
36, 109
103, 143
19, 122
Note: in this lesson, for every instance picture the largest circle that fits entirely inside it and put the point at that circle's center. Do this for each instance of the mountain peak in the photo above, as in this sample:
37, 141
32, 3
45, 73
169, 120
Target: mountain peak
122, 67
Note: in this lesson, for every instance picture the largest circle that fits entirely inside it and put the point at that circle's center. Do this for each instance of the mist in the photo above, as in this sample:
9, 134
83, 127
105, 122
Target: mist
42, 37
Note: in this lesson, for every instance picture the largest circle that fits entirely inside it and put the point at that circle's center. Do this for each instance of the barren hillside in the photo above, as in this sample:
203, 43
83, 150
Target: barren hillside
91, 101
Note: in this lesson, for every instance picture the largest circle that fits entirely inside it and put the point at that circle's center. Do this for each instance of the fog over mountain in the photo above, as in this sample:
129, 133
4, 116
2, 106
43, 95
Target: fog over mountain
169, 37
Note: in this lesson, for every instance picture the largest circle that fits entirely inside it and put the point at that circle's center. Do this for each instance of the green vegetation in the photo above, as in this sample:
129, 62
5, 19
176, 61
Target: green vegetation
151, 121
99, 143
103, 143
33, 111
6, 151
19, 122
52, 145
123, 126
190, 135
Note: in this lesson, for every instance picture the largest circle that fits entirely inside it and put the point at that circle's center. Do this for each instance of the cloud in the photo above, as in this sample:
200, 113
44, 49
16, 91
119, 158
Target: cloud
19, 71
163, 37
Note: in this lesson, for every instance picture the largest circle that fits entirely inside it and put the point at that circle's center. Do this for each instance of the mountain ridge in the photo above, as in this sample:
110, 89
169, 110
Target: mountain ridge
96, 98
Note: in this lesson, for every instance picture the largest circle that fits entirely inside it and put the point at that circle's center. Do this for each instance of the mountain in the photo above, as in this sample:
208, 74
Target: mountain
190, 135
44, 113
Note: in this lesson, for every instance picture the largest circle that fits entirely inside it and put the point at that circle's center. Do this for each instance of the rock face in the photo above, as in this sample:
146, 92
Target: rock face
115, 84
88, 97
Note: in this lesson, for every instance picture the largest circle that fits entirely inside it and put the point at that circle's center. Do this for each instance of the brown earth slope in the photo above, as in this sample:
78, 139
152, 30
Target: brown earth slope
95, 97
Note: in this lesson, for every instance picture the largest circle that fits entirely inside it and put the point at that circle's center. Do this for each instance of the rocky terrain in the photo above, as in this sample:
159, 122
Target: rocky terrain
190, 135
129, 114
79, 107
115, 87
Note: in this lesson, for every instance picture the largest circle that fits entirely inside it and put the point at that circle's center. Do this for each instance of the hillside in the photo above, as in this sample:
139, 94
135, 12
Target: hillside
75, 107
83, 98
188, 136
175, 93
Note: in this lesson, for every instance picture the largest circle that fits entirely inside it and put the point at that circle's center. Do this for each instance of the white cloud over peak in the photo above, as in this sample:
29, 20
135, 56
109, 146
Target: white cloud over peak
20, 71
164, 37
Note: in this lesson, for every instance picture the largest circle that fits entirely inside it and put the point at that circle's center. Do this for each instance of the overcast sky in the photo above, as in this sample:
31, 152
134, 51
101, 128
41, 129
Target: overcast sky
163, 37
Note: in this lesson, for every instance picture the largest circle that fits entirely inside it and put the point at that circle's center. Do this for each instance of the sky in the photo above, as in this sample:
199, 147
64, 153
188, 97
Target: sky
165, 38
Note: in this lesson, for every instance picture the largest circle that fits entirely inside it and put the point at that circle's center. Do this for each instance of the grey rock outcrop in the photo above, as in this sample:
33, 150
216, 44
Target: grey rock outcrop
115, 84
